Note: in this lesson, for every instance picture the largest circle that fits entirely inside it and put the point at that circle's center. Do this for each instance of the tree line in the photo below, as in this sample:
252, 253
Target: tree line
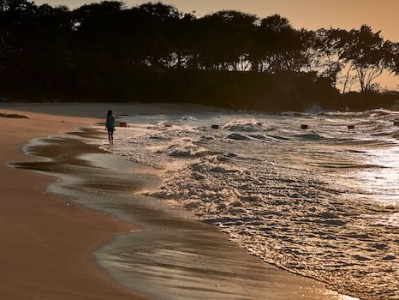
154, 52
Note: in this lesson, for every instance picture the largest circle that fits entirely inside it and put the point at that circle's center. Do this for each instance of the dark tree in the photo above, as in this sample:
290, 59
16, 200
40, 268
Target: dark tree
325, 53
367, 53
154, 52
278, 46
223, 40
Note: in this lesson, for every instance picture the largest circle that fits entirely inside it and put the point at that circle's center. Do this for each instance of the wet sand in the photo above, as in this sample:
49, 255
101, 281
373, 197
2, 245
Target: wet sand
46, 243
48, 239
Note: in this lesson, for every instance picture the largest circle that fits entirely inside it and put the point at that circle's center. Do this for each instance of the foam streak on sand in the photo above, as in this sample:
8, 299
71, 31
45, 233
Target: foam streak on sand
303, 200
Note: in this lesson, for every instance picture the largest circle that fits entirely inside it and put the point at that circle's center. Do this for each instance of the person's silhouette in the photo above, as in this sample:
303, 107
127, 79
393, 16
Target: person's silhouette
110, 126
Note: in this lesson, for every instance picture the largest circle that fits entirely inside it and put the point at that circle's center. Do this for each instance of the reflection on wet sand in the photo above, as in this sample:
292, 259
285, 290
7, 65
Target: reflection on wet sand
173, 257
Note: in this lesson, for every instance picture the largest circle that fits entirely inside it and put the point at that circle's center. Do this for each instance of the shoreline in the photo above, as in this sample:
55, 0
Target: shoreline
105, 228
47, 244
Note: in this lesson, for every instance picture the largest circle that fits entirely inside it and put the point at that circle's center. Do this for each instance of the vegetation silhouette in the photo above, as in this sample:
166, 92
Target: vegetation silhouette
155, 53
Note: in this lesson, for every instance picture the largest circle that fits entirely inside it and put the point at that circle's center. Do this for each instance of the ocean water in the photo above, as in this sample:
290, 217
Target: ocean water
322, 202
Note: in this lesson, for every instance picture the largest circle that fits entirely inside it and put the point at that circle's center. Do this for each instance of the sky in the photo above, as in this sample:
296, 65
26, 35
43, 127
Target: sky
308, 14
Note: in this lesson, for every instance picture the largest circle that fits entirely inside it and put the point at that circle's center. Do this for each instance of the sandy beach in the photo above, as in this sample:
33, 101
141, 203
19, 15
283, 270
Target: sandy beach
48, 240
46, 245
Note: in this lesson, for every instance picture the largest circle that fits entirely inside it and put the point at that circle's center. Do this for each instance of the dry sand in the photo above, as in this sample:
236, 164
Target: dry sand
46, 244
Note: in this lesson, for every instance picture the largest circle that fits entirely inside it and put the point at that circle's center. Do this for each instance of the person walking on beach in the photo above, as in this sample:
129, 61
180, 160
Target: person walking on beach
110, 126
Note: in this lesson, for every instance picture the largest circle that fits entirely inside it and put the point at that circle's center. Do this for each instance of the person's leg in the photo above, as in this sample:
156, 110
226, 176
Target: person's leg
109, 135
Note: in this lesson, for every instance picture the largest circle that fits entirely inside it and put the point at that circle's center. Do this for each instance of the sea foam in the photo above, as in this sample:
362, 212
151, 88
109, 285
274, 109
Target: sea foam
295, 199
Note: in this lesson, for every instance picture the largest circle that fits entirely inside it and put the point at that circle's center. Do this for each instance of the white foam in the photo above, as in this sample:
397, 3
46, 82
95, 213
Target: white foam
293, 200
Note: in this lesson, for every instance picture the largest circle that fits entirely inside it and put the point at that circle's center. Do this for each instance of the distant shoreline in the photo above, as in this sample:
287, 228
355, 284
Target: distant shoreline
272, 101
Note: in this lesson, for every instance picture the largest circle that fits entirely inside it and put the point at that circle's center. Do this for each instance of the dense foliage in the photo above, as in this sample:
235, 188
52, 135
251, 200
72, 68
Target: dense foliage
153, 52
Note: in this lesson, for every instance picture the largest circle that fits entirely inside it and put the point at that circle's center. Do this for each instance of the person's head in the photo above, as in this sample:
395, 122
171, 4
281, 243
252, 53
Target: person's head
109, 113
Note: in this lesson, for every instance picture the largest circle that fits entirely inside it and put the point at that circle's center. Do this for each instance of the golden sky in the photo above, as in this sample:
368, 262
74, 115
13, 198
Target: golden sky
311, 14
308, 14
